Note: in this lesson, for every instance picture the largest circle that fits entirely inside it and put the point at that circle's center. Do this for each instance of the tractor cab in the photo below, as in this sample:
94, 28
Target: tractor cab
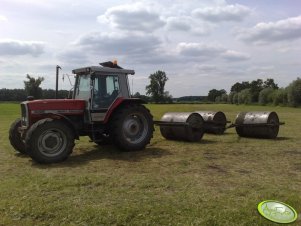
101, 87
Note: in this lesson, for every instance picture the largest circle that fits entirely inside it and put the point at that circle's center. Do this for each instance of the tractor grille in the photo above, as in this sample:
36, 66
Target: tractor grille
24, 114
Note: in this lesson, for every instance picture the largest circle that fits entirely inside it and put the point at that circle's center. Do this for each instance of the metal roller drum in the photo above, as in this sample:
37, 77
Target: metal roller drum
257, 124
215, 122
187, 126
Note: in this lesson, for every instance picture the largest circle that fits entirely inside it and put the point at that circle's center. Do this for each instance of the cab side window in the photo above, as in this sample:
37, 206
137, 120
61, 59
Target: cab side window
105, 91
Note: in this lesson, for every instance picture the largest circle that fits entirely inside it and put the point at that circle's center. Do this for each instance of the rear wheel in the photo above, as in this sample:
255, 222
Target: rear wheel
132, 128
15, 137
49, 141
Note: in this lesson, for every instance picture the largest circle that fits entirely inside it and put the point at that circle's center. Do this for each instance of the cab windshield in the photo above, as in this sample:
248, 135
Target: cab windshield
83, 87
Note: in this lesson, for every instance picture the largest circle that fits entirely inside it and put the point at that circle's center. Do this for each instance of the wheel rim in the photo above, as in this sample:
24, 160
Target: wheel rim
135, 128
52, 142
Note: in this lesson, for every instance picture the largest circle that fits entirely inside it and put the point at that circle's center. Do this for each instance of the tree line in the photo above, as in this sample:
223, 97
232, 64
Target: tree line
254, 92
247, 92
31, 88
259, 92
21, 94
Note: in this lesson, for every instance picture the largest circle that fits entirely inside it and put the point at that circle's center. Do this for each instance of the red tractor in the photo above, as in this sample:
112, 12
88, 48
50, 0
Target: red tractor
101, 108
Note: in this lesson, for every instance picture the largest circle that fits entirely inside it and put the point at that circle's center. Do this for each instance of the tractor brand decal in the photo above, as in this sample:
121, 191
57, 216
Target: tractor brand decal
37, 112
276, 211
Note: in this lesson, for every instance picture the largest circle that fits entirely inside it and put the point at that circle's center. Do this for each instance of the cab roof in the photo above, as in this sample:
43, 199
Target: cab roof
102, 70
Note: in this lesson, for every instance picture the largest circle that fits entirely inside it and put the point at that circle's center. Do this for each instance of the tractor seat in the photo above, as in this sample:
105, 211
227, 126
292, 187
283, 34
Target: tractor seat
114, 94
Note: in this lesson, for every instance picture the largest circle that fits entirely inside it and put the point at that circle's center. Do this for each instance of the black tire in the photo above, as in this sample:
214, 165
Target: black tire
15, 137
240, 131
49, 141
132, 127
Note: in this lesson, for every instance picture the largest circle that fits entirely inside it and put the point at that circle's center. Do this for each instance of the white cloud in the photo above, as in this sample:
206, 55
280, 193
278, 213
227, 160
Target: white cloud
179, 23
199, 50
3, 18
188, 24
231, 55
132, 17
206, 51
206, 68
73, 55
17, 47
180, 37
259, 68
222, 13
119, 44
282, 30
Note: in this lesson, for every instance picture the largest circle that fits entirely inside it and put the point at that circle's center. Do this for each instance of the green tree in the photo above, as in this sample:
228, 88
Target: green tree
237, 87
137, 95
266, 96
156, 87
218, 99
214, 93
142, 97
224, 98
294, 93
269, 83
244, 97
230, 97
255, 87
12, 94
235, 98
50, 94
32, 86
280, 97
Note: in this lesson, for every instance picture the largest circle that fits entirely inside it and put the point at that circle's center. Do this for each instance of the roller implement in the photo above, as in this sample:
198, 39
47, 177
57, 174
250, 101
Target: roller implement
102, 109
214, 122
257, 124
185, 126
190, 126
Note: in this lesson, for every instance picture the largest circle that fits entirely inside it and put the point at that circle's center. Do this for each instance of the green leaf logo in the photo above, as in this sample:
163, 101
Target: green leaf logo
276, 211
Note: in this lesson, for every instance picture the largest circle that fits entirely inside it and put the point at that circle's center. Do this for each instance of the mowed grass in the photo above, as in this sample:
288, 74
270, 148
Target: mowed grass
217, 181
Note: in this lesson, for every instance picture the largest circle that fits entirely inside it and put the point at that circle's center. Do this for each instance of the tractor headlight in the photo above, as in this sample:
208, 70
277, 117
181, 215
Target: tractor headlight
24, 121
24, 114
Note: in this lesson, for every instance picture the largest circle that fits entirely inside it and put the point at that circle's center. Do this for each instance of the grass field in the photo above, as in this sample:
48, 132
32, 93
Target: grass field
217, 181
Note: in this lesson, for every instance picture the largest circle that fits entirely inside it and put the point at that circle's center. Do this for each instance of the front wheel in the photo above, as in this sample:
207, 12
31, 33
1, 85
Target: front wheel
132, 127
15, 137
49, 141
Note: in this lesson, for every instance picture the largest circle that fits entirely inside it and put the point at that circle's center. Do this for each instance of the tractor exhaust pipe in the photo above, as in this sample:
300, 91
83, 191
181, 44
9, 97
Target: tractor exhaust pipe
57, 81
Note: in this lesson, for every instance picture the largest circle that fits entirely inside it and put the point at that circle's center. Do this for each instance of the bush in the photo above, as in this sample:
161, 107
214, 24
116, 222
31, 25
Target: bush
217, 99
294, 93
244, 96
235, 98
230, 98
280, 97
266, 96
224, 98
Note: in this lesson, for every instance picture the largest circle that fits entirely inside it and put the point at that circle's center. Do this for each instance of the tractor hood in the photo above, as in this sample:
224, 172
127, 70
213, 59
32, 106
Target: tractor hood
56, 106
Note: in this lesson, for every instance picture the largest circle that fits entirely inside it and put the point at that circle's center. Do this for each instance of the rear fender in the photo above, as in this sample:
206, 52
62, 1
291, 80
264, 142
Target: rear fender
119, 103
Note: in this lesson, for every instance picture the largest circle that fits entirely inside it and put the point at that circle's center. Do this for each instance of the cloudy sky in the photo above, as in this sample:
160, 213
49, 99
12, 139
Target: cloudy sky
200, 44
